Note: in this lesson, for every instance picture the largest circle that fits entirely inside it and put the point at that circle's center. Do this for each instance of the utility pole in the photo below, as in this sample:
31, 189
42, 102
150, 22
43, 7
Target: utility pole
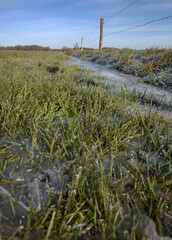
101, 34
76, 46
82, 39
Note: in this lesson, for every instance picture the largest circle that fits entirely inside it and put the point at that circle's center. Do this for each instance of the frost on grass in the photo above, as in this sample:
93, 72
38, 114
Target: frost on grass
75, 162
153, 65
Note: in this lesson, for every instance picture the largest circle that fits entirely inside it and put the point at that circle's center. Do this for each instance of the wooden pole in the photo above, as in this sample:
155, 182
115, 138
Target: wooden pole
82, 39
76, 46
101, 34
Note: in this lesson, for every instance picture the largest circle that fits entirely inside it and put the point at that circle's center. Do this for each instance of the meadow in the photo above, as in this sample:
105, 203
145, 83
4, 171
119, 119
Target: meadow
75, 161
153, 65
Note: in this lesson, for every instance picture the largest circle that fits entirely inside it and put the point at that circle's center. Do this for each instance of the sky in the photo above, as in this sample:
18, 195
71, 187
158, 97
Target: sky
59, 23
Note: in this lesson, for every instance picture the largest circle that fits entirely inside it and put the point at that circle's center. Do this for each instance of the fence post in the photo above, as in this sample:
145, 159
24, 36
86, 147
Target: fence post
82, 43
101, 34
76, 46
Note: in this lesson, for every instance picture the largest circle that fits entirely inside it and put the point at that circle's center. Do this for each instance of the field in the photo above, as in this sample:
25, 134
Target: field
153, 66
75, 161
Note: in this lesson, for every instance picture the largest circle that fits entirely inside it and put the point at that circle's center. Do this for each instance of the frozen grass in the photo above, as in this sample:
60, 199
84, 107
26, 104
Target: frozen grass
106, 150
154, 65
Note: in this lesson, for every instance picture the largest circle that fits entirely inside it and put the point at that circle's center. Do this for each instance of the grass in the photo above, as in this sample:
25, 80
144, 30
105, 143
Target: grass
149, 64
118, 160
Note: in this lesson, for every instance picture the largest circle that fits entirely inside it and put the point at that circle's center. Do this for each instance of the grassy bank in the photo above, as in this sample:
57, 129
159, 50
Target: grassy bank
153, 65
118, 161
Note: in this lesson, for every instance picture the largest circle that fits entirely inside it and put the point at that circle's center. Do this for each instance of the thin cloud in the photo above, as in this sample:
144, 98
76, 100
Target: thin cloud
158, 5
62, 21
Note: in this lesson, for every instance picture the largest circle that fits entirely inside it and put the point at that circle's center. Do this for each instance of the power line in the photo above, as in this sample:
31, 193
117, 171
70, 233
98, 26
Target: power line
138, 26
131, 28
91, 32
111, 18
91, 41
116, 14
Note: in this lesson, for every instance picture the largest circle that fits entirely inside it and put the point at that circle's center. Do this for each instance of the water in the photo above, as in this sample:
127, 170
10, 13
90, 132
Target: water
31, 183
157, 95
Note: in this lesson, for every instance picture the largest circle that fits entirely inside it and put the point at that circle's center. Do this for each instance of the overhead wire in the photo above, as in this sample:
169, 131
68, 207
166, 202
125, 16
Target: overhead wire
116, 14
138, 26
91, 41
91, 32
111, 18
131, 28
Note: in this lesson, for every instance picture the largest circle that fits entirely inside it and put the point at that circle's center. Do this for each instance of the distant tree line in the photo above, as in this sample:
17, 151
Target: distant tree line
40, 48
26, 47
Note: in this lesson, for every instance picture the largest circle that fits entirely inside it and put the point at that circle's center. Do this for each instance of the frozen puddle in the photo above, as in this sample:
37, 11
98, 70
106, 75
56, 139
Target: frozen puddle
113, 77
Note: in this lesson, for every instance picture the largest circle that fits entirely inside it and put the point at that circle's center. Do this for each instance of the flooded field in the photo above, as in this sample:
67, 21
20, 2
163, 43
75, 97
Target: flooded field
158, 96
76, 161
152, 66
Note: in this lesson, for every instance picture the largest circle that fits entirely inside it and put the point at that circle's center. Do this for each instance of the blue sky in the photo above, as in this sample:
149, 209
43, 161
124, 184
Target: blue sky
58, 23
